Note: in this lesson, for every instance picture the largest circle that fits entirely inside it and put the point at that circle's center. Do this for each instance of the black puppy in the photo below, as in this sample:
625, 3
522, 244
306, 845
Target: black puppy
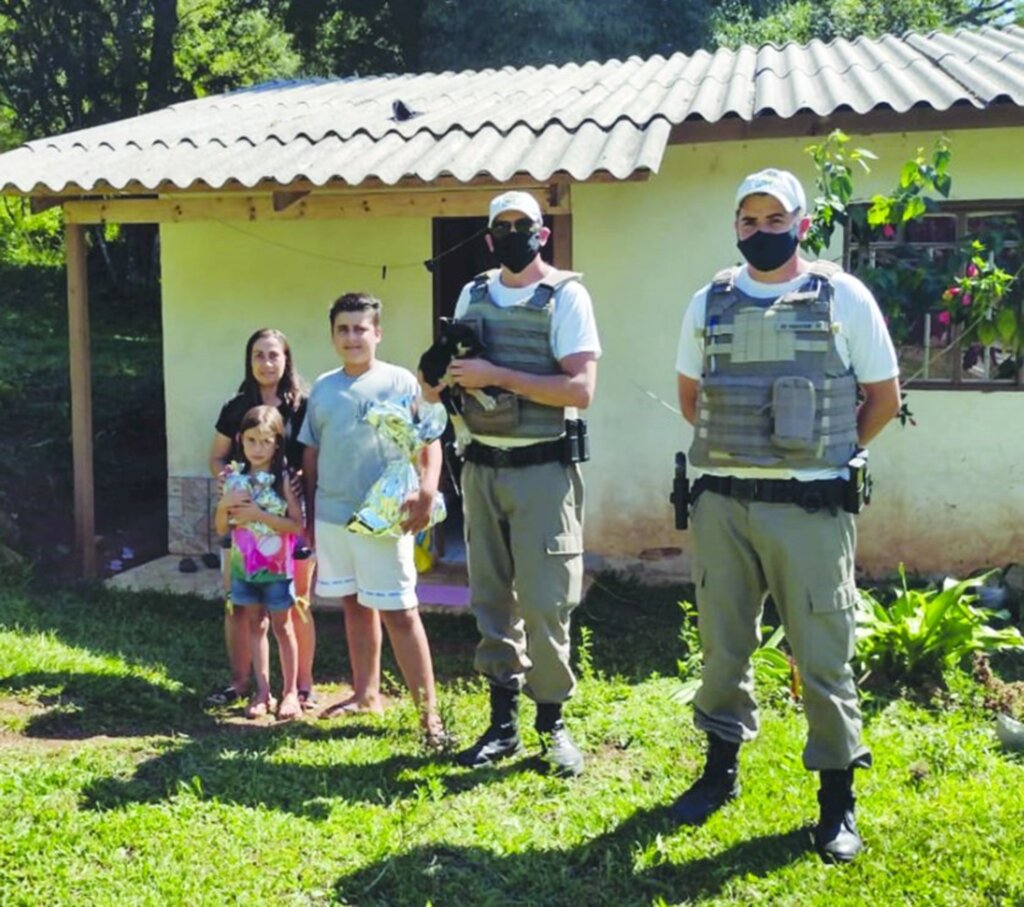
456, 340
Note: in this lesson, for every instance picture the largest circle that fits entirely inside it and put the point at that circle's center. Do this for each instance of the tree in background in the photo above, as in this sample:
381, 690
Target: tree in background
755, 22
481, 34
79, 63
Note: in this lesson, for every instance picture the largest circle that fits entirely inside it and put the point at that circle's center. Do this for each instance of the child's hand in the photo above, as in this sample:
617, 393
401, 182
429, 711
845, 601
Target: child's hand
246, 512
236, 498
416, 508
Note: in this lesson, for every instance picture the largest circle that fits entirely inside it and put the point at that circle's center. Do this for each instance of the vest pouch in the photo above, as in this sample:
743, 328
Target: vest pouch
793, 407
502, 420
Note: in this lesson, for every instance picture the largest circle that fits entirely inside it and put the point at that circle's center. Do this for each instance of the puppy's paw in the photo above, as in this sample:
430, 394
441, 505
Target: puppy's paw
484, 399
463, 436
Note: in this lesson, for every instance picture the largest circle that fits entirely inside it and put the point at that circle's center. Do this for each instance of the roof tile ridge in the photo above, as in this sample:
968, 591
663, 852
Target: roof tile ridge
937, 62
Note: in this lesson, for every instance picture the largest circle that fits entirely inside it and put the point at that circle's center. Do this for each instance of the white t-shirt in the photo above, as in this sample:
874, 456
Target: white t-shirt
863, 343
573, 328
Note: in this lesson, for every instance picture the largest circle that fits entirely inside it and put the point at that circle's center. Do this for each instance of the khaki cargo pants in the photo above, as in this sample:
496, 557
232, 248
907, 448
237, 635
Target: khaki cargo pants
524, 549
743, 550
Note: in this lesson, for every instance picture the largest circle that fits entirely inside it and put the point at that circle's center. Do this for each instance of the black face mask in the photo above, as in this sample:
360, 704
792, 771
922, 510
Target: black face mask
516, 250
768, 251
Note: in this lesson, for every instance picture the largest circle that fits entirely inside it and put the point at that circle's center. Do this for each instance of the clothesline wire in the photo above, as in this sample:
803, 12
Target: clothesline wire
427, 263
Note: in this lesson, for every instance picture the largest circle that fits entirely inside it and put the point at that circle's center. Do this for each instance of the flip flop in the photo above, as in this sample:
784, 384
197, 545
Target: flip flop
227, 696
345, 709
282, 715
308, 700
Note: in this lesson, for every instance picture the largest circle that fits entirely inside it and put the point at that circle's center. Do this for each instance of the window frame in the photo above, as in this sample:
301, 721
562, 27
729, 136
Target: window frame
962, 211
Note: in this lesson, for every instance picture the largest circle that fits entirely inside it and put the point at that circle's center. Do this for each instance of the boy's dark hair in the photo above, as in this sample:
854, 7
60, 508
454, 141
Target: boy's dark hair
291, 388
356, 302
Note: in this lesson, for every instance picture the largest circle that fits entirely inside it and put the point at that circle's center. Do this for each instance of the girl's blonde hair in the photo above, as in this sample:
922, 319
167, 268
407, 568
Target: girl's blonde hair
266, 418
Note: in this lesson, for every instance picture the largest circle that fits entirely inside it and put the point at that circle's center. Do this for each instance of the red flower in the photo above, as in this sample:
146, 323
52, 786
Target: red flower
942, 318
888, 231
972, 270
953, 291
966, 300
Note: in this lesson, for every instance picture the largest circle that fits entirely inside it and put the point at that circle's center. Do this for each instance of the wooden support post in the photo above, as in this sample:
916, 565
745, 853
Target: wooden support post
561, 254
81, 398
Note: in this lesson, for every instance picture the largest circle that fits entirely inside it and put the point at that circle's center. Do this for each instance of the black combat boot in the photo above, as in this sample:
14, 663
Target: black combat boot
558, 750
717, 785
835, 836
501, 739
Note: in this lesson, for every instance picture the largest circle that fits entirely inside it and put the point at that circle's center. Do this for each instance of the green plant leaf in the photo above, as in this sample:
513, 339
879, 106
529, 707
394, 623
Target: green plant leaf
1006, 325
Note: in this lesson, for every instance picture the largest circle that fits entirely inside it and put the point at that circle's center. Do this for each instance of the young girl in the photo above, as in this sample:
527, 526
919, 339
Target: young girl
261, 512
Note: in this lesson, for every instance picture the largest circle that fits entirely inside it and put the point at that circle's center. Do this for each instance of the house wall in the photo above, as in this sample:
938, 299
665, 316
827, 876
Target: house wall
948, 491
223, 281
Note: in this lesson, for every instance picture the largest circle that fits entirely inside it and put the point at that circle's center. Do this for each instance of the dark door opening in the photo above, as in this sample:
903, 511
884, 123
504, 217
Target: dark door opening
462, 258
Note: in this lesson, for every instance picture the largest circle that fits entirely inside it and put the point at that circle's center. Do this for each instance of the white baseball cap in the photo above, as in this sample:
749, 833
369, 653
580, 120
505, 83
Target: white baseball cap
780, 184
515, 201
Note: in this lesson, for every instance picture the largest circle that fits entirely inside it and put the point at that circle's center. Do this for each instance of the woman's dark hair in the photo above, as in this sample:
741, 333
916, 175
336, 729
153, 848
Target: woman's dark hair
291, 388
268, 419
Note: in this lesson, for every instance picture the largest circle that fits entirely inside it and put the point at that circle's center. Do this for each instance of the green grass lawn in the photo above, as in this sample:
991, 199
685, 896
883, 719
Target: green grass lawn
117, 788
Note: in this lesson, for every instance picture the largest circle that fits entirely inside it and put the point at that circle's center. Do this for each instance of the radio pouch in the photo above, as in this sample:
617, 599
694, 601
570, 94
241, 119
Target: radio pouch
793, 405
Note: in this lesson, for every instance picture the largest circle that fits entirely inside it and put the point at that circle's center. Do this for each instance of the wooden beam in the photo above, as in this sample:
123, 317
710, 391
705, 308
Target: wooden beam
81, 399
806, 125
284, 200
316, 206
37, 205
561, 254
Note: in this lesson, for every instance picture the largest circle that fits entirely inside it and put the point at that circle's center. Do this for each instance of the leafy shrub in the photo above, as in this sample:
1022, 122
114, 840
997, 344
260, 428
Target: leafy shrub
924, 631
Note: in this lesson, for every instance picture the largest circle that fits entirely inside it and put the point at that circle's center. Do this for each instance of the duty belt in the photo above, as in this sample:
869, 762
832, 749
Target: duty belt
533, 455
809, 495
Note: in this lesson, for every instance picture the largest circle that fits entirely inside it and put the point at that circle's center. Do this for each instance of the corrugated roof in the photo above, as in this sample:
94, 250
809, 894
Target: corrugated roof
613, 117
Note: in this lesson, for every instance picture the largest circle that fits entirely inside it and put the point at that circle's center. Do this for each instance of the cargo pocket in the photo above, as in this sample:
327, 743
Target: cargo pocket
561, 572
826, 601
831, 636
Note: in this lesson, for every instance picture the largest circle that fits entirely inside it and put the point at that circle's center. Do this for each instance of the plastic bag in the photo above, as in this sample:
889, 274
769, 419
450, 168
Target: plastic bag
404, 434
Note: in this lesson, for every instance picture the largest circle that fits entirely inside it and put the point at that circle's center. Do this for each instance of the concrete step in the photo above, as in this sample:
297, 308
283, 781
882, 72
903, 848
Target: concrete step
445, 589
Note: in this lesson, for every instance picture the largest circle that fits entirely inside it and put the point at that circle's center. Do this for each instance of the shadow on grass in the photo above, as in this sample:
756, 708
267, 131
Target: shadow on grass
237, 766
86, 704
600, 871
634, 629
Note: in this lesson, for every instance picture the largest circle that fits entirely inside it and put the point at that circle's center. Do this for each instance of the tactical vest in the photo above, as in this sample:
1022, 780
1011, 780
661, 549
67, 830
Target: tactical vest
774, 391
517, 337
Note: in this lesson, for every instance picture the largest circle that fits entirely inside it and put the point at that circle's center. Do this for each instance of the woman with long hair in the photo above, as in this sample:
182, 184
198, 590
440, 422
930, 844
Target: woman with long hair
270, 379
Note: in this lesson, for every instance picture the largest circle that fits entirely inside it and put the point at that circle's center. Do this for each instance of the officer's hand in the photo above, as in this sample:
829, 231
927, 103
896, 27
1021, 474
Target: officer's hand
474, 373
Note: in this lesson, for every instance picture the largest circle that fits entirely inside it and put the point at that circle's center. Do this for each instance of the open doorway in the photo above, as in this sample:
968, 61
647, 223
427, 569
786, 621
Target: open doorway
460, 253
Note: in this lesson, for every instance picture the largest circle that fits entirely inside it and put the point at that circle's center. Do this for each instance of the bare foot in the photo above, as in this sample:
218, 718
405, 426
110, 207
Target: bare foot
352, 706
290, 708
260, 706
435, 738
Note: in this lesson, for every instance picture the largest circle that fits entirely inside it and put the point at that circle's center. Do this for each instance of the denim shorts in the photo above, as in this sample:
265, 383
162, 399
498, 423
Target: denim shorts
278, 595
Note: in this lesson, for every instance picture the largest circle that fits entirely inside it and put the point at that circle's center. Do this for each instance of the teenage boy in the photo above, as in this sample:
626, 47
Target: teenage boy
375, 578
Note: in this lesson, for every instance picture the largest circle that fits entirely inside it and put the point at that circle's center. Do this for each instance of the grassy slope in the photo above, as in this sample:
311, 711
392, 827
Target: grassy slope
115, 788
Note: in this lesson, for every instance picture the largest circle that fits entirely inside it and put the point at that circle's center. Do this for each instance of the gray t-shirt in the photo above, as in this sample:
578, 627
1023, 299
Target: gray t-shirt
351, 457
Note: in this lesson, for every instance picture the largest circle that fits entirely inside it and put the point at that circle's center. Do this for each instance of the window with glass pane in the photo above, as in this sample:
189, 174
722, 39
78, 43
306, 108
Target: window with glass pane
910, 267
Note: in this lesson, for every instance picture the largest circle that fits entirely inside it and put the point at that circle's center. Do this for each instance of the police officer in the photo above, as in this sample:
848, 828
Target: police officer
521, 486
770, 358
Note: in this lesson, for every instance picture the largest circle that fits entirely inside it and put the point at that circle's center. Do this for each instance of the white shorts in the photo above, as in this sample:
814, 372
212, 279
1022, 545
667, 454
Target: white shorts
380, 572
